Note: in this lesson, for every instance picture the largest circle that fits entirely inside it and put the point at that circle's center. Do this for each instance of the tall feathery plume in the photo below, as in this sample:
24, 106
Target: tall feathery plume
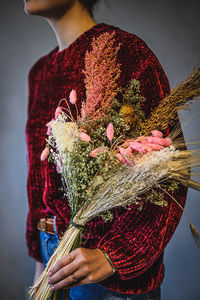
179, 98
101, 75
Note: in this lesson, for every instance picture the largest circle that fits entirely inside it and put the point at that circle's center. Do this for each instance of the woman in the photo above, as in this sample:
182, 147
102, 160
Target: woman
123, 258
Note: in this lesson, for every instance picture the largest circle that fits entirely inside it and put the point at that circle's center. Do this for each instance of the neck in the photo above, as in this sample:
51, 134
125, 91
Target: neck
71, 25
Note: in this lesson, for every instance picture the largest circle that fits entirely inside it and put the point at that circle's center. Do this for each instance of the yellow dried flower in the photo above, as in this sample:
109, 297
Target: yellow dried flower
127, 111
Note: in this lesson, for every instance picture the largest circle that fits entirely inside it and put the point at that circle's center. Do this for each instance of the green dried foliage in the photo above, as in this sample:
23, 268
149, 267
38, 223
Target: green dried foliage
157, 196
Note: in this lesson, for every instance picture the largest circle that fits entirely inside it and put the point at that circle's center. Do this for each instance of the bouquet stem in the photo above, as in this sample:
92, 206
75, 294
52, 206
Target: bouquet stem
41, 289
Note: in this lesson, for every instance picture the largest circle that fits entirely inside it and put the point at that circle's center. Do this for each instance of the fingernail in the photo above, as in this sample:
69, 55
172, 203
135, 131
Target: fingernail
52, 287
50, 273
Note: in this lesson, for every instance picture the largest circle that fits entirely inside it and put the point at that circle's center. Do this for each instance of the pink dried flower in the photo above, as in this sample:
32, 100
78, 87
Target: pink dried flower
58, 112
110, 131
155, 147
123, 160
73, 97
168, 142
144, 148
44, 154
128, 151
50, 122
49, 131
85, 137
165, 142
144, 141
96, 151
155, 140
157, 133
138, 147
147, 148
144, 144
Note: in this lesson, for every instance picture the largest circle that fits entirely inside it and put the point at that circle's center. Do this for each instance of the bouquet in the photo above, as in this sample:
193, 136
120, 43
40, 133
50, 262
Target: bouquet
109, 154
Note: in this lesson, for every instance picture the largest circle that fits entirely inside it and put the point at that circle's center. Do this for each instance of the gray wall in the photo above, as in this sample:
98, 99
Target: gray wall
171, 29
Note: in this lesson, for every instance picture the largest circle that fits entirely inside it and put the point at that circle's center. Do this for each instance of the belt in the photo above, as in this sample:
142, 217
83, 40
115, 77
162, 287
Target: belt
46, 225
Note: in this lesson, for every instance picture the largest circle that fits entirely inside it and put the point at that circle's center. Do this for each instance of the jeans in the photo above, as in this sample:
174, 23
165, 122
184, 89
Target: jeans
93, 291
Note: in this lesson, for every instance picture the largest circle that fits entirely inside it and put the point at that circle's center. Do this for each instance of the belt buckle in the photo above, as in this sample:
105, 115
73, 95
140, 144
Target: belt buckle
43, 224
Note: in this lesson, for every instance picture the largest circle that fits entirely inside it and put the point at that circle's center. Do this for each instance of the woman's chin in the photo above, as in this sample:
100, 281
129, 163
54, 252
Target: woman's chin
32, 9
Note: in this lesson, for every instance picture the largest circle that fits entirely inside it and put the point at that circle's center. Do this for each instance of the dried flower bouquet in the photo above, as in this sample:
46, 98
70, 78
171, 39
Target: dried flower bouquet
111, 155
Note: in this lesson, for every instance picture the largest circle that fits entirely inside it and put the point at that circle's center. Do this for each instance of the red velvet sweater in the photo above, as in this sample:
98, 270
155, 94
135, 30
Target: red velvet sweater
135, 241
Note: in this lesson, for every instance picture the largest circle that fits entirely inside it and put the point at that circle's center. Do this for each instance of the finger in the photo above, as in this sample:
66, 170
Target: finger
65, 260
68, 281
84, 280
62, 273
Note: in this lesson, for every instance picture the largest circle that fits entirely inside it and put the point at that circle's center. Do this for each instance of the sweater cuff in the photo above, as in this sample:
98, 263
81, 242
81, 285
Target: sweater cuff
107, 248
109, 260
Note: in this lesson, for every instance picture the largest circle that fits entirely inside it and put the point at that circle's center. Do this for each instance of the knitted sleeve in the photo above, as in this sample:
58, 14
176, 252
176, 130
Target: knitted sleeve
137, 238
34, 182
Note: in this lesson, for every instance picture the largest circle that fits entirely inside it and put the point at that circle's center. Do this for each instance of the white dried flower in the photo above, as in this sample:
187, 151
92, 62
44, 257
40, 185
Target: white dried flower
65, 134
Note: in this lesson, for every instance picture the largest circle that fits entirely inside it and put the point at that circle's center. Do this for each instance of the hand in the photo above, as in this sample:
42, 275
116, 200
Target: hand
87, 265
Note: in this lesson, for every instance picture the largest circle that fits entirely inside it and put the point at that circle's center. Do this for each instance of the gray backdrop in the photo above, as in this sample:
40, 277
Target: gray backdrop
171, 29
